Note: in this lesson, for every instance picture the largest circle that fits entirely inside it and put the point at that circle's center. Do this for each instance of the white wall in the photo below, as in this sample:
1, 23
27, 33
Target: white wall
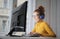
10, 7
53, 15
19, 2
1, 4
58, 18
30, 21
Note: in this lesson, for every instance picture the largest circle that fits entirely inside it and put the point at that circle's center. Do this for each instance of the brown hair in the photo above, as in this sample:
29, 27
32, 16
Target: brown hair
40, 10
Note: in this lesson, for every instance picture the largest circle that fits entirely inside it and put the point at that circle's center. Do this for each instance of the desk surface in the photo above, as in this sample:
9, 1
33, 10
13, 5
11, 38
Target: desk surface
7, 37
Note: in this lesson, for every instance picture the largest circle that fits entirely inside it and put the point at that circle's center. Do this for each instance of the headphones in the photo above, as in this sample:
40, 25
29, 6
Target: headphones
42, 16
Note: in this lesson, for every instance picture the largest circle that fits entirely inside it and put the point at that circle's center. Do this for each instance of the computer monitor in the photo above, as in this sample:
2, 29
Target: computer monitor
19, 18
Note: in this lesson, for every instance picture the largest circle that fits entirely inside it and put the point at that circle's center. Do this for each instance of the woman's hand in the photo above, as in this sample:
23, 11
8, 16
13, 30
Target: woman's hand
35, 34
32, 33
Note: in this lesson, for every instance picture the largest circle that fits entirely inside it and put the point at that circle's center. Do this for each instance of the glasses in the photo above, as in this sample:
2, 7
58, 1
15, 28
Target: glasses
35, 15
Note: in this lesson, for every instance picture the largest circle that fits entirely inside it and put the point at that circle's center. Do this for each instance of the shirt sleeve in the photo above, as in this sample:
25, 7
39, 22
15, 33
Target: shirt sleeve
48, 30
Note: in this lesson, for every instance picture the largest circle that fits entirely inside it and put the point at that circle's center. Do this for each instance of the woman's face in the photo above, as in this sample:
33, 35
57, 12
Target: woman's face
36, 16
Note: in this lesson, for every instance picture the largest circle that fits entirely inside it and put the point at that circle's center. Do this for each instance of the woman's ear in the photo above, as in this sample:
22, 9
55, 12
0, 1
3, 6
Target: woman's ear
42, 17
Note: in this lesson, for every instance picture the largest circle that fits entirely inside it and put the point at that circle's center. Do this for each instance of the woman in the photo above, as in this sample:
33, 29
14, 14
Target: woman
41, 27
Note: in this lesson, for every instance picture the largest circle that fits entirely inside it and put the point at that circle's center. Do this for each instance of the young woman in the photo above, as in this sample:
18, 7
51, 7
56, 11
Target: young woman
41, 27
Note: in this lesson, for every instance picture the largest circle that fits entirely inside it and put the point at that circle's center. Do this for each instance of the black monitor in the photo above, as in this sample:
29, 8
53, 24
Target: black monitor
19, 15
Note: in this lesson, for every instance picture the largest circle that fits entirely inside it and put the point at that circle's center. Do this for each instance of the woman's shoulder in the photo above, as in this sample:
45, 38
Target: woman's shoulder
44, 23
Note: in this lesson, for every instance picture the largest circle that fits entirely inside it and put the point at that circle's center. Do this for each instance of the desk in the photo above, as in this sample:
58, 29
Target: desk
7, 37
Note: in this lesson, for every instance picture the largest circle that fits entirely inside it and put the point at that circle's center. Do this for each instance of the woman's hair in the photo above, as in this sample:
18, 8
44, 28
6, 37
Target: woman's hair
40, 10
